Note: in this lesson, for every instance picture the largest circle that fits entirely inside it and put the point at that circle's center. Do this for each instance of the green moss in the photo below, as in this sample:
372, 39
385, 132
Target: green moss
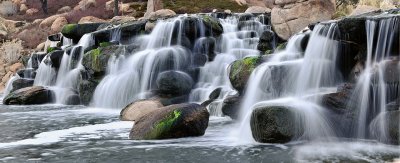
164, 125
105, 44
51, 49
213, 23
67, 29
268, 52
95, 52
199, 6
281, 46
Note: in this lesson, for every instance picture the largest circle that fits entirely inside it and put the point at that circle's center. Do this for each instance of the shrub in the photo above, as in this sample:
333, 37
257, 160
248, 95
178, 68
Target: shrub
7, 8
10, 51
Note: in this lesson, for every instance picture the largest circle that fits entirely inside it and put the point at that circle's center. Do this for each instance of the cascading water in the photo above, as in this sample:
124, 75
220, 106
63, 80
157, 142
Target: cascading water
286, 80
234, 44
372, 91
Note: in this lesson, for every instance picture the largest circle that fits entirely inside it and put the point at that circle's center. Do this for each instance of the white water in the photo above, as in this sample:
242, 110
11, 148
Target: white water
289, 81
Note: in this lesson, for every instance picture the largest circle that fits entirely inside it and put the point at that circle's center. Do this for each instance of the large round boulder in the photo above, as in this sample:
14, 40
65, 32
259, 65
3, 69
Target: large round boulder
241, 70
174, 83
139, 109
385, 127
29, 96
273, 124
96, 60
213, 26
175, 121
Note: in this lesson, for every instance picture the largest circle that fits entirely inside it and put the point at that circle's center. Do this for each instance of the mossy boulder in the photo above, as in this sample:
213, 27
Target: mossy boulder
213, 26
139, 109
76, 31
29, 96
241, 70
175, 121
273, 124
96, 60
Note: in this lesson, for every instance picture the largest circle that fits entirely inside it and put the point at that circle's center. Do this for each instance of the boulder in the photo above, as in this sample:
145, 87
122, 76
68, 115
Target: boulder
85, 4
122, 19
213, 26
86, 90
241, 70
175, 121
212, 97
27, 73
16, 66
96, 60
389, 132
273, 124
21, 83
163, 13
90, 19
139, 109
58, 24
64, 9
56, 57
258, 10
266, 41
23, 8
174, 83
31, 11
29, 96
231, 106
37, 59
48, 22
295, 15
76, 31
152, 6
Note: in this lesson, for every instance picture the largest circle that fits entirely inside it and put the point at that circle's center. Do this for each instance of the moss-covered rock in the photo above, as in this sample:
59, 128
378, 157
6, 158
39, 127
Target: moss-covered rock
96, 60
76, 31
175, 121
213, 26
241, 70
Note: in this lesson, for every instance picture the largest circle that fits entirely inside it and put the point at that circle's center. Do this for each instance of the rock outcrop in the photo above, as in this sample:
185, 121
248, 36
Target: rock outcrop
29, 96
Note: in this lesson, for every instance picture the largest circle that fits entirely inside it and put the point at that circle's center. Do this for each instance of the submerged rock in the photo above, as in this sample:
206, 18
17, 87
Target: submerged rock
86, 90
174, 83
241, 70
231, 106
139, 109
21, 83
273, 124
389, 132
175, 121
29, 96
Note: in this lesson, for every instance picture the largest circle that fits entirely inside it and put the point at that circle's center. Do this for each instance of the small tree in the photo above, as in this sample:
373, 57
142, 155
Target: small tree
116, 8
44, 6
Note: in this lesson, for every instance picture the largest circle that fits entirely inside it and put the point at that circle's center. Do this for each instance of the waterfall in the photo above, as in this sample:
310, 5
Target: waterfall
131, 76
287, 79
370, 93
235, 44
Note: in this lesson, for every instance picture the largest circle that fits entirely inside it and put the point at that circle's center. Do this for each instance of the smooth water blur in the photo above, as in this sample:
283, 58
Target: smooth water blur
58, 133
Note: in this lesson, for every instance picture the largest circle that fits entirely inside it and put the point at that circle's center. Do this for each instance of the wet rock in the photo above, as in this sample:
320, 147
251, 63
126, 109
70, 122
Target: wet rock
338, 101
73, 99
266, 41
27, 73
241, 70
175, 121
139, 109
29, 96
130, 30
76, 31
96, 60
212, 97
174, 83
55, 37
56, 57
213, 26
273, 124
37, 59
231, 106
389, 132
22, 83
86, 90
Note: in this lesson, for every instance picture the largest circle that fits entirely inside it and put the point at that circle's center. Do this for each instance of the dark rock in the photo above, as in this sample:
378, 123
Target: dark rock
27, 73
166, 101
73, 99
273, 124
56, 58
96, 60
130, 30
267, 36
231, 106
212, 97
241, 70
86, 90
174, 83
213, 26
21, 83
304, 41
37, 59
55, 37
389, 131
175, 121
245, 17
139, 109
76, 31
338, 102
29, 96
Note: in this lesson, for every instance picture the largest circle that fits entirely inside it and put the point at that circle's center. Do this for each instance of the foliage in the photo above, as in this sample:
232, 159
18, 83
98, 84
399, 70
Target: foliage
8, 8
10, 51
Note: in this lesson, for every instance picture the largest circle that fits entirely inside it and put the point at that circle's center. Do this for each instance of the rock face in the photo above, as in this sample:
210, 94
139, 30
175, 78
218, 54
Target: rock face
273, 124
29, 96
389, 133
139, 109
175, 121
174, 83
295, 15
241, 70
21, 83
258, 10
